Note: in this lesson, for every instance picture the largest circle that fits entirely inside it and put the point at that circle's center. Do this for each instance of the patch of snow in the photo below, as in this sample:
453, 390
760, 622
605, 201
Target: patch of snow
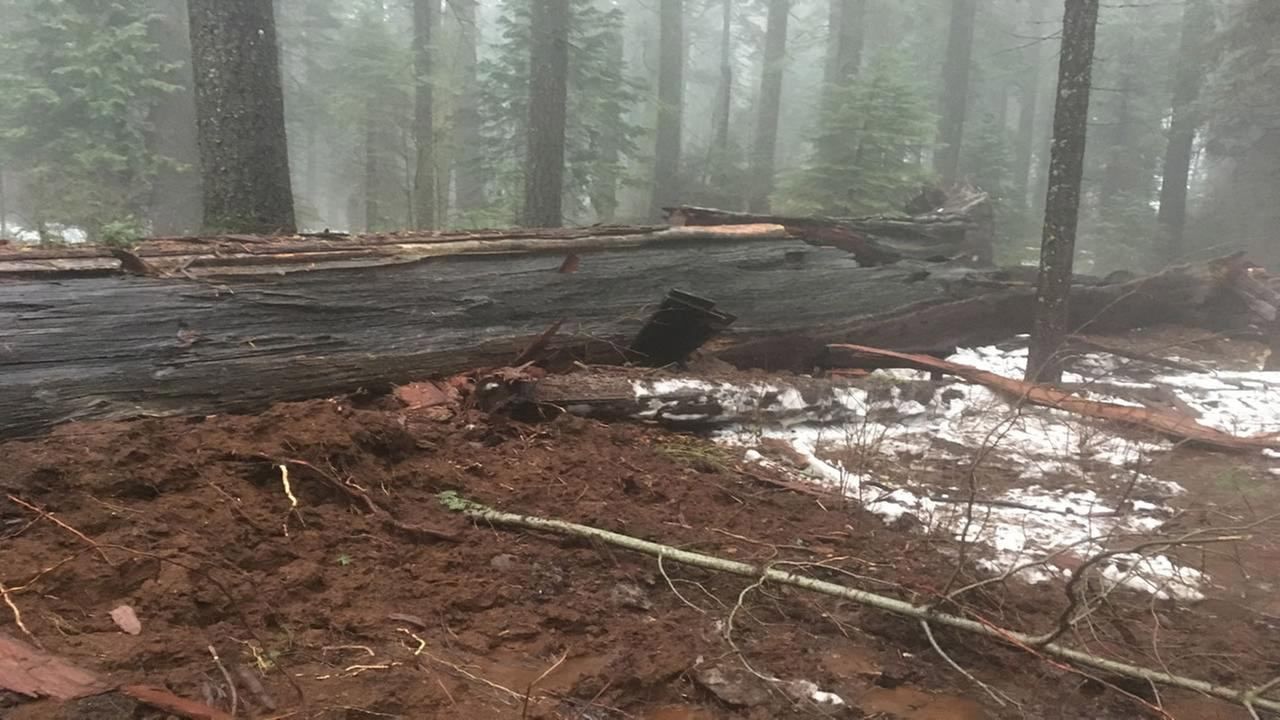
1045, 447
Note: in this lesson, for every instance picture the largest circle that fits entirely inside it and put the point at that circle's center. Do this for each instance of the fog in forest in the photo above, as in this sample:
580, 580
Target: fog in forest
416, 114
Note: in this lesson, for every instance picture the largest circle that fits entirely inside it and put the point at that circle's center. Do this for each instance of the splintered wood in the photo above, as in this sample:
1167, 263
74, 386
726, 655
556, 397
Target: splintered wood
28, 671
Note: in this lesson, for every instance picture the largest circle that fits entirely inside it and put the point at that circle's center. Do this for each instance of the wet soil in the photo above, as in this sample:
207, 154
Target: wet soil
325, 610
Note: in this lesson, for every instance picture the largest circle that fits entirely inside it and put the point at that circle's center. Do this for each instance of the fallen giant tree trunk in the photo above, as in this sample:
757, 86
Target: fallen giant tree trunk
233, 324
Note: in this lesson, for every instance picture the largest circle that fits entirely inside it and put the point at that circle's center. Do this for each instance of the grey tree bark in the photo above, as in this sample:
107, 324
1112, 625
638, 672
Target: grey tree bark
424, 176
666, 155
1029, 104
718, 159
175, 199
955, 89
1062, 202
845, 39
244, 157
765, 147
1197, 26
372, 208
469, 164
548, 98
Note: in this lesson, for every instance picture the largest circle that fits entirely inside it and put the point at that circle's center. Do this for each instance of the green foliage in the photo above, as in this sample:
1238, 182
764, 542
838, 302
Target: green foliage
79, 79
866, 150
121, 233
599, 135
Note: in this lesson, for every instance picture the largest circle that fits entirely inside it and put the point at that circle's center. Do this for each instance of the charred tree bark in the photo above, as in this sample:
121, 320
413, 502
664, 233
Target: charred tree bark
244, 157
424, 130
765, 149
1197, 23
666, 155
844, 42
1062, 202
548, 99
468, 167
175, 199
955, 89
1028, 107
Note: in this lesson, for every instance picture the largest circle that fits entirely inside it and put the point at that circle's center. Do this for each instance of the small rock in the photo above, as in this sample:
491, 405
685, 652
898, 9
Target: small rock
733, 686
504, 562
127, 620
629, 595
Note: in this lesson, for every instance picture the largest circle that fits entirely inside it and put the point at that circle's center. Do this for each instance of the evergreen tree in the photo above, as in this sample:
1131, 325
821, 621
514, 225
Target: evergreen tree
867, 147
80, 79
1242, 100
244, 158
599, 135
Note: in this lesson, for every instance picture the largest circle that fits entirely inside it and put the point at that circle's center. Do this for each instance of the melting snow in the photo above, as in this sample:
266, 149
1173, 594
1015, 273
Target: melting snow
1023, 525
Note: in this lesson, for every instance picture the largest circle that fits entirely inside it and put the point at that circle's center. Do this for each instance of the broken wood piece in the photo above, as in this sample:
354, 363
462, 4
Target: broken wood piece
1164, 422
173, 704
682, 324
28, 671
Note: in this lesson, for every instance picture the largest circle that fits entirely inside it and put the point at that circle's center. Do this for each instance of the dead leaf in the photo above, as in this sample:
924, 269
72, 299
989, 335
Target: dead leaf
127, 620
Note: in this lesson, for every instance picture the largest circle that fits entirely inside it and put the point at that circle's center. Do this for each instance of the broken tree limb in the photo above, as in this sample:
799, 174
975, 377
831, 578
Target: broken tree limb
1024, 641
236, 255
1164, 422
961, 229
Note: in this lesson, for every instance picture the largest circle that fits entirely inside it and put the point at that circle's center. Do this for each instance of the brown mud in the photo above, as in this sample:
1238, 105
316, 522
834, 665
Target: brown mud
325, 610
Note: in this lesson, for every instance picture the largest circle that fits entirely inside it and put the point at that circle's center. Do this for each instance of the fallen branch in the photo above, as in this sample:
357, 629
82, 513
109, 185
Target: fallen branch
1163, 422
892, 605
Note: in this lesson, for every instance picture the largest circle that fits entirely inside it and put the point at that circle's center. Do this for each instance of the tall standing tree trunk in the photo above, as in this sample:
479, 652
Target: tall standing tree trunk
372, 208
244, 156
468, 167
955, 89
175, 198
424, 129
1119, 173
718, 162
1197, 24
1062, 202
604, 184
765, 147
1028, 106
666, 156
845, 38
548, 100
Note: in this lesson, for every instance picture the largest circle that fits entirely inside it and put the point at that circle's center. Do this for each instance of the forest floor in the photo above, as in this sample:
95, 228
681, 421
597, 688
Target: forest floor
322, 609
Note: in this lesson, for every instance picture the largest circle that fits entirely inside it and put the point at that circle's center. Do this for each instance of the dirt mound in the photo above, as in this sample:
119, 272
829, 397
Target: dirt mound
321, 605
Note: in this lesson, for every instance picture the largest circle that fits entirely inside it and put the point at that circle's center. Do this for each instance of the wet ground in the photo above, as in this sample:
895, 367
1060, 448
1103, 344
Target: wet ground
327, 610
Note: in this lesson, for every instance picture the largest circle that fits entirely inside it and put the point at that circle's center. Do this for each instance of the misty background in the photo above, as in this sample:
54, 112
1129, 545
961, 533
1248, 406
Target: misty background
98, 122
